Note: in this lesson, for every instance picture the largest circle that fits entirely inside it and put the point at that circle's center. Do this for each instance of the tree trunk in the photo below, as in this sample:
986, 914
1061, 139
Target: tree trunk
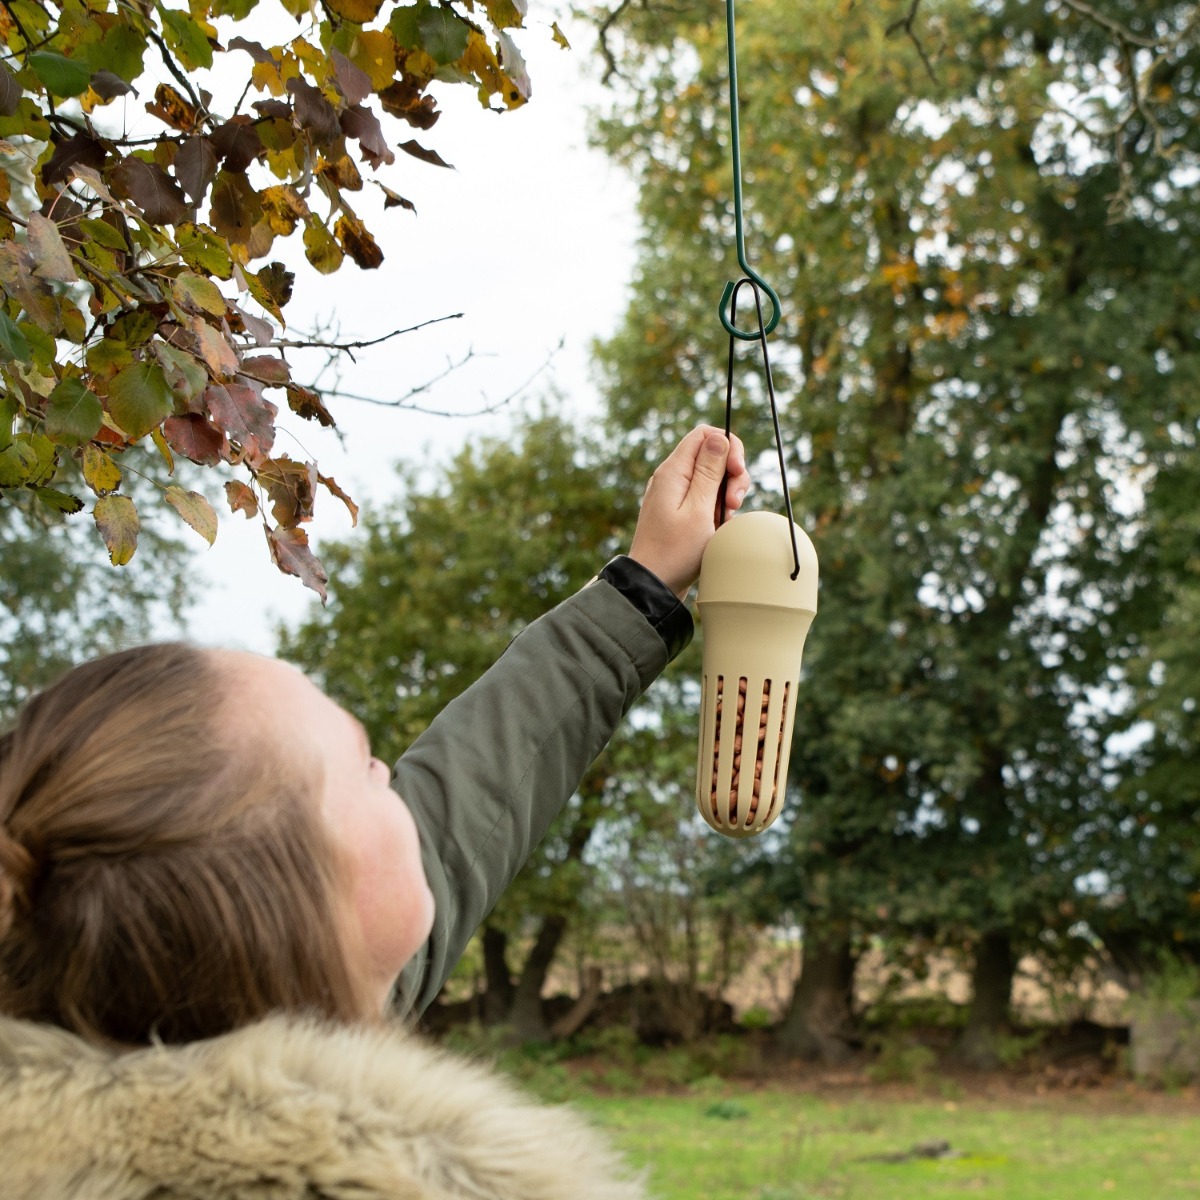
991, 993
525, 1016
819, 1017
498, 985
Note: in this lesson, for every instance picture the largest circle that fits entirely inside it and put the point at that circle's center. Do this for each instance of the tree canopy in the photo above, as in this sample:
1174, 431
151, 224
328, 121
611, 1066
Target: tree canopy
153, 155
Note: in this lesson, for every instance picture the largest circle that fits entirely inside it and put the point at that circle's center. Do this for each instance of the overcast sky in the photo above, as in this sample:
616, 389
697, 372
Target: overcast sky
531, 236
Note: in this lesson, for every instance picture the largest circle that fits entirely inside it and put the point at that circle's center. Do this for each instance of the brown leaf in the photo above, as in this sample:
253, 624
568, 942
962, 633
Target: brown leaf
354, 237
108, 86
331, 486
244, 415
241, 498
193, 437
77, 151
256, 327
429, 156
404, 100
266, 368
290, 552
10, 92
237, 143
272, 287
353, 82
196, 167
341, 172
234, 207
292, 488
362, 124
313, 112
394, 199
273, 108
152, 190
256, 50
306, 403
173, 110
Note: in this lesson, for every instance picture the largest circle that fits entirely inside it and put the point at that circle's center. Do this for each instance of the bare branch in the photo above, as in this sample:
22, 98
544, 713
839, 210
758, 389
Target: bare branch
610, 61
1124, 33
315, 342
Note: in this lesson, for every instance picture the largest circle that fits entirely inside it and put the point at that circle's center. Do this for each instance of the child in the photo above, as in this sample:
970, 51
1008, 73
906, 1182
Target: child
198, 850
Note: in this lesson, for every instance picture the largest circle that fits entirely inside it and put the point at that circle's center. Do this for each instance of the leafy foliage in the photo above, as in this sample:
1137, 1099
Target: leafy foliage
135, 268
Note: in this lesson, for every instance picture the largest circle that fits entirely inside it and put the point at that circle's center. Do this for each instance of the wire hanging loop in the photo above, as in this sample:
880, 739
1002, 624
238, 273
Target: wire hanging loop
761, 336
727, 306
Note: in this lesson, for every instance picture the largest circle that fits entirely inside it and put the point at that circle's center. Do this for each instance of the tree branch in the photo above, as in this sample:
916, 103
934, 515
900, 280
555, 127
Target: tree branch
905, 25
315, 343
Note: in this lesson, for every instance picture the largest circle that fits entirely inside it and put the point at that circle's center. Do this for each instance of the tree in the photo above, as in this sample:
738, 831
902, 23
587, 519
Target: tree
114, 329
979, 403
428, 598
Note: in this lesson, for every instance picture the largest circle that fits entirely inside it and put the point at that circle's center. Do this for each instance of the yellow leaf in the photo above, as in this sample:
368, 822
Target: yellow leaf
321, 249
195, 510
560, 38
100, 472
266, 78
361, 12
374, 52
422, 67
156, 436
117, 520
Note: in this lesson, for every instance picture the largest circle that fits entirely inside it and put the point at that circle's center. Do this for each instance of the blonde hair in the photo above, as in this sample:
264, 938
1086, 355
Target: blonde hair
160, 877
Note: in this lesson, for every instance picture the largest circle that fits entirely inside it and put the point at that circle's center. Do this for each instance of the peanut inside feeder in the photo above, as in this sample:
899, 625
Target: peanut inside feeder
754, 619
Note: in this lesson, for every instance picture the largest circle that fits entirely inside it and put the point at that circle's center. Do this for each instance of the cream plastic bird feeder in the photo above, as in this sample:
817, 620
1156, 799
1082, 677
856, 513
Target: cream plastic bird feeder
754, 618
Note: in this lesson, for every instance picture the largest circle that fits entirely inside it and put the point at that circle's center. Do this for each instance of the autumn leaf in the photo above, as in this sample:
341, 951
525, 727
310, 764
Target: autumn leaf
117, 519
172, 109
198, 294
559, 37
244, 415
237, 143
291, 554
291, 487
306, 403
187, 38
139, 399
202, 250
283, 207
394, 199
73, 413
78, 150
363, 125
196, 439
313, 112
51, 260
266, 368
331, 486
195, 510
506, 14
241, 498
321, 248
429, 156
352, 81
214, 347
354, 237
100, 473
234, 206
195, 167
158, 195
10, 92
272, 288
361, 12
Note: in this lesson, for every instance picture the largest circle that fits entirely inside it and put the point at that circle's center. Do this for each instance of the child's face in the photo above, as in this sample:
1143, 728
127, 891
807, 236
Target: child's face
371, 826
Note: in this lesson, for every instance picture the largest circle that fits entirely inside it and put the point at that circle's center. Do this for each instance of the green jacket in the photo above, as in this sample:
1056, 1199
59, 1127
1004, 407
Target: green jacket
496, 766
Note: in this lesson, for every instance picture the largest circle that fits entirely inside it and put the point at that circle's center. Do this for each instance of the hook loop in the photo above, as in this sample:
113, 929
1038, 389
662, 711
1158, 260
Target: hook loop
727, 307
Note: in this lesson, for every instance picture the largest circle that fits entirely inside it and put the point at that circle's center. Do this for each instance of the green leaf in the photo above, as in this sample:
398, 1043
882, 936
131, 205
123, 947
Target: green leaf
404, 25
186, 39
117, 520
74, 413
62, 502
121, 50
186, 376
60, 75
42, 345
202, 250
443, 35
14, 347
139, 398
195, 510
102, 232
17, 464
198, 294
8, 414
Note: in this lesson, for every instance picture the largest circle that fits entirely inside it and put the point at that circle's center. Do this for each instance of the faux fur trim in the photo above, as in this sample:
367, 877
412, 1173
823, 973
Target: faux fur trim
283, 1110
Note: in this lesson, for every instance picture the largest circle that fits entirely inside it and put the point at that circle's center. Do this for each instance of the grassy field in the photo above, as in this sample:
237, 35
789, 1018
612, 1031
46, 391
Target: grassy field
736, 1143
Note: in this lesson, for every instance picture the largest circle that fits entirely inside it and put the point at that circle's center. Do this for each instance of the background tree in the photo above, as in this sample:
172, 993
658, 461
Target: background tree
115, 329
982, 413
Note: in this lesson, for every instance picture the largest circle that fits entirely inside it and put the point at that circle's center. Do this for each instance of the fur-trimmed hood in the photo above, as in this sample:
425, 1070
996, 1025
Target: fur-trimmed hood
282, 1110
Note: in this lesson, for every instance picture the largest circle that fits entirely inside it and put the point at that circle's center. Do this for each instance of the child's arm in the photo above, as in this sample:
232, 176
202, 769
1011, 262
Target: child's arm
494, 769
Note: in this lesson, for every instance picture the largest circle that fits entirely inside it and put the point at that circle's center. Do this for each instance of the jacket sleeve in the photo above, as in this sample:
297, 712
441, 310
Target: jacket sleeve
497, 765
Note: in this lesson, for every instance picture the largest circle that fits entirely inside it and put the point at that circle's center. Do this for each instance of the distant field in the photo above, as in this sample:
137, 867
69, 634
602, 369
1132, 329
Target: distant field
731, 1143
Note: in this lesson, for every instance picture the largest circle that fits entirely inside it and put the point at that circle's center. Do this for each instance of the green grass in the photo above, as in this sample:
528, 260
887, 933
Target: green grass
778, 1145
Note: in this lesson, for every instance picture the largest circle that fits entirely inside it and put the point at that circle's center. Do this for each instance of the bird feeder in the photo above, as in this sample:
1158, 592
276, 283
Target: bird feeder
757, 600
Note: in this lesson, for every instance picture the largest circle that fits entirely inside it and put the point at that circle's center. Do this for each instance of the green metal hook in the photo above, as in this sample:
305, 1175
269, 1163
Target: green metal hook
727, 296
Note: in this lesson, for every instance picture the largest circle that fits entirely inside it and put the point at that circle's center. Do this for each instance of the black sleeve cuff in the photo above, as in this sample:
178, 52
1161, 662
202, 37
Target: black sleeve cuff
653, 599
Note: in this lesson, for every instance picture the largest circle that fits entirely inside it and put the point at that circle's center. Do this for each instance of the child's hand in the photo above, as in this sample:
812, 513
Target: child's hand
679, 509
